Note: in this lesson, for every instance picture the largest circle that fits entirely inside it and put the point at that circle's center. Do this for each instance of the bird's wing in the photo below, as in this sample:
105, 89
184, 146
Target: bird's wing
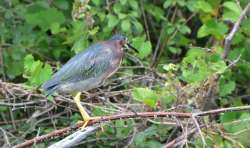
88, 64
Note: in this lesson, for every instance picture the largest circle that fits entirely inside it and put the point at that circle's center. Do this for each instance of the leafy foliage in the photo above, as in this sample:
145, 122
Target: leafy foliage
180, 41
146, 96
35, 71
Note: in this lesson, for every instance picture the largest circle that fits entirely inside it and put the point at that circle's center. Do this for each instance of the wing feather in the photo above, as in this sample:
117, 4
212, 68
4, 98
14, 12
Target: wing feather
88, 64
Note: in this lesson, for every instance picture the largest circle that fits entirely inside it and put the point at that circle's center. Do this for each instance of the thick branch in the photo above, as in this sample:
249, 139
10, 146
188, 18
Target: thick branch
236, 27
66, 130
75, 138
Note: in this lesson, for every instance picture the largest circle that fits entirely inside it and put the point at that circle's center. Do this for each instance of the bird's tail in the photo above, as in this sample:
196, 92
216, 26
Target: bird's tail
50, 87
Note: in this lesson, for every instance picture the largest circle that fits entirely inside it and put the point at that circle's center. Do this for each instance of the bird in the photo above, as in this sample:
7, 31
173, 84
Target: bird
88, 70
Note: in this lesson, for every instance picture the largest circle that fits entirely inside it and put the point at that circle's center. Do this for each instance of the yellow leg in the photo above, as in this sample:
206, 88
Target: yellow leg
84, 114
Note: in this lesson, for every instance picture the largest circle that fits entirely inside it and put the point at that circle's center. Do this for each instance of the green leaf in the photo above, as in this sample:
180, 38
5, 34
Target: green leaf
117, 8
55, 28
155, 11
94, 31
133, 15
62, 4
97, 2
141, 137
217, 64
76, 33
28, 61
125, 25
226, 87
232, 11
122, 16
35, 71
133, 4
198, 72
112, 20
194, 67
238, 38
228, 118
168, 3
45, 73
45, 18
123, 2
245, 26
235, 53
145, 50
145, 95
203, 6
184, 29
144, 47
80, 44
138, 26
212, 27
203, 31
181, 2
174, 50
219, 67
14, 68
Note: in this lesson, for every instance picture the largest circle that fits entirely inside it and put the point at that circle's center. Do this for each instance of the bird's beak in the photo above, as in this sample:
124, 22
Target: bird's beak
131, 47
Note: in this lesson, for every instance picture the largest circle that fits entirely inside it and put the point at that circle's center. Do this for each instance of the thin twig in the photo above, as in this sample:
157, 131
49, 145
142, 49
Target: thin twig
177, 141
145, 19
236, 27
223, 110
63, 131
2, 64
199, 130
5, 137
131, 139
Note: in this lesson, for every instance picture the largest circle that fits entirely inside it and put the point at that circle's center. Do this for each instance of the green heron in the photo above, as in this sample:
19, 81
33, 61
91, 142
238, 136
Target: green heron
88, 69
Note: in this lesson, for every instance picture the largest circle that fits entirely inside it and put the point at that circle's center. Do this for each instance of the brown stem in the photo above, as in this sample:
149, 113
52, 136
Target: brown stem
66, 130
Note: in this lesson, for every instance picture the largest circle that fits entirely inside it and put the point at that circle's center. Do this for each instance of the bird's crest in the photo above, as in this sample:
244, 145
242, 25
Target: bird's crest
118, 37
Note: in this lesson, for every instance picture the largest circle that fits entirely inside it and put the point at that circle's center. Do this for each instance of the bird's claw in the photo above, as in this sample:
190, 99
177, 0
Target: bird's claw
84, 124
86, 121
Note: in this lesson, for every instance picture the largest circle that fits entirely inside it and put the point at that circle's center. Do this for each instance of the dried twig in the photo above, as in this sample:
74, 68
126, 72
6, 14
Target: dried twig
75, 138
200, 132
63, 131
144, 19
236, 27
5, 137
2, 64
179, 140
223, 110
66, 130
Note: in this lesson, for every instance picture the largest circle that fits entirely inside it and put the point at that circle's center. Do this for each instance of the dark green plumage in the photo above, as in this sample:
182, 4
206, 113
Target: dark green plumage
87, 69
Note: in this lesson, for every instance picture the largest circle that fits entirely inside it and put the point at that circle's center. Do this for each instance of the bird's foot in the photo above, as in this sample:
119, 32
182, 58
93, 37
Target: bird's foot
84, 124
86, 121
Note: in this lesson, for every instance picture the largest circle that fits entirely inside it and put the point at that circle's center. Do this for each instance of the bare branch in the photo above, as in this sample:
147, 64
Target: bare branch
236, 27
5, 137
223, 110
66, 130
200, 132
145, 19
75, 138
179, 140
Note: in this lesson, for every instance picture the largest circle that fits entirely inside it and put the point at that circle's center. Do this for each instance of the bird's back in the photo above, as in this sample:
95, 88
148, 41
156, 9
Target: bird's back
82, 72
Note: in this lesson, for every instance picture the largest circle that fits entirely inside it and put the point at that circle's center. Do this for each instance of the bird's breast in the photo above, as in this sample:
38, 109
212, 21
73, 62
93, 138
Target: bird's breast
115, 60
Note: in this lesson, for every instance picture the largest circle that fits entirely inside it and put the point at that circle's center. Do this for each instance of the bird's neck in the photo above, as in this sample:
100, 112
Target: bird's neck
116, 48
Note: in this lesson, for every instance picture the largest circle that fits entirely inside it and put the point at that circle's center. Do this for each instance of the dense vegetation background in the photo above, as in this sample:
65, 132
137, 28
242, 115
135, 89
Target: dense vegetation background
178, 68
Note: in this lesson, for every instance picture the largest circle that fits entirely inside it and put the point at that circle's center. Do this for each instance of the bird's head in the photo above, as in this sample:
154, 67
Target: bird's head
123, 41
